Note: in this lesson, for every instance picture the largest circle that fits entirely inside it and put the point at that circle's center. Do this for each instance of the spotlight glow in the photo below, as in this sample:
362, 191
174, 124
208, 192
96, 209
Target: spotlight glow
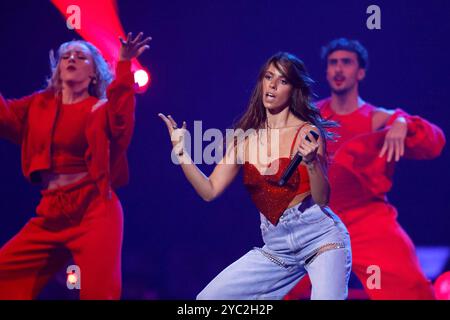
141, 78
72, 278
101, 25
442, 286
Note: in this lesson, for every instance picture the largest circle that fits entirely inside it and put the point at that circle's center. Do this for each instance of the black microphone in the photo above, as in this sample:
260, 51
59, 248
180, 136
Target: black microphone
294, 162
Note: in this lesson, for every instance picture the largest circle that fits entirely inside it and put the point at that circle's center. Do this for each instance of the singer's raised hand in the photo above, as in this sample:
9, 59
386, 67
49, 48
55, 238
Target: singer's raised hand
176, 134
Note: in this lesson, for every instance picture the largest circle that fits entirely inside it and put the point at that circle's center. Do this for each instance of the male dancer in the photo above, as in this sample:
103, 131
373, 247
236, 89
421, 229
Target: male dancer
370, 140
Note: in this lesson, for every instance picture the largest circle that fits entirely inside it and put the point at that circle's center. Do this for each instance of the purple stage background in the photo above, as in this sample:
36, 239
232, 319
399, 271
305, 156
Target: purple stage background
204, 59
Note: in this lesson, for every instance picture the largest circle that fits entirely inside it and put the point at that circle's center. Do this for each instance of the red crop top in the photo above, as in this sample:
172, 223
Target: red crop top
271, 199
69, 143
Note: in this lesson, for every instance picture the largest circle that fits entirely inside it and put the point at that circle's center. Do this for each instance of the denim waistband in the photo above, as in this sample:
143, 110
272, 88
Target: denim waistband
299, 208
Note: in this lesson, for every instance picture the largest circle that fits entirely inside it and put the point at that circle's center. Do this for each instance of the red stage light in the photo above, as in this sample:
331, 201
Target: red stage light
141, 77
142, 80
442, 286
100, 25
72, 278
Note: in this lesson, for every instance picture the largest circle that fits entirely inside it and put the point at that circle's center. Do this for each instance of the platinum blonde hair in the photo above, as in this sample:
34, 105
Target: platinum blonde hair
103, 74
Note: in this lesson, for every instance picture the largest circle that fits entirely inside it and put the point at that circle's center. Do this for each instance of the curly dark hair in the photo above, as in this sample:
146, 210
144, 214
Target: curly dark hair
347, 45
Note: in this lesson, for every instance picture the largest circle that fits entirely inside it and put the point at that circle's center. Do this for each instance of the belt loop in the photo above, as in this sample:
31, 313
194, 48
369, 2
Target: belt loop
305, 204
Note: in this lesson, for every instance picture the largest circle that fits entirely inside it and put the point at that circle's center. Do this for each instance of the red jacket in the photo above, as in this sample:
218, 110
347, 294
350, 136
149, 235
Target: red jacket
29, 121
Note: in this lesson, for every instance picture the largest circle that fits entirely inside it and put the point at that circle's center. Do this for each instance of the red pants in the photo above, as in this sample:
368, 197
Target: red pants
73, 221
377, 239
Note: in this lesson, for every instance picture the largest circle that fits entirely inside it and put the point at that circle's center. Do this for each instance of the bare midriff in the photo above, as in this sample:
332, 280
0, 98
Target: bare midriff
52, 180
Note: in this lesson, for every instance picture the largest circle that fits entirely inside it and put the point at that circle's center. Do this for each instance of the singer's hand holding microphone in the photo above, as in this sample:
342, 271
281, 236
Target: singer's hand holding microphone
306, 152
309, 147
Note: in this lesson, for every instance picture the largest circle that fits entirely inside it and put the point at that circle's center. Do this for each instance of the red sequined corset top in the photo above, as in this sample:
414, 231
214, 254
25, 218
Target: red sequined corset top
271, 199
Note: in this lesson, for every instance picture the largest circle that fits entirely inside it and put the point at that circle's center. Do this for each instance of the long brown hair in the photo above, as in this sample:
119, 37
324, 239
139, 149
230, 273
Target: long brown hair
301, 105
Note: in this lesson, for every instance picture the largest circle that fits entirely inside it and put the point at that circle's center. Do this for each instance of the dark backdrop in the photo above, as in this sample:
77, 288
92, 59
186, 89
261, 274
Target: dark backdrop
204, 59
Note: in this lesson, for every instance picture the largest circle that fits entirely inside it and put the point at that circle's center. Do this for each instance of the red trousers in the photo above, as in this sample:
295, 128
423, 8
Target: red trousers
72, 222
378, 240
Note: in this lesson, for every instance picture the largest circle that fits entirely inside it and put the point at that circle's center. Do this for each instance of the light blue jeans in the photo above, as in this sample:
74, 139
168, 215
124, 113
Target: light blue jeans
307, 239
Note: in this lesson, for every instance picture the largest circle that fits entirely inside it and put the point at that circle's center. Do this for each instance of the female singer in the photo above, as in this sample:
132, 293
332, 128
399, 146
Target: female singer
301, 234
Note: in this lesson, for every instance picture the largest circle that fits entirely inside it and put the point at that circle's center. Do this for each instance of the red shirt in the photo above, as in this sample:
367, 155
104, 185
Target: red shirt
69, 143
351, 125
108, 130
357, 175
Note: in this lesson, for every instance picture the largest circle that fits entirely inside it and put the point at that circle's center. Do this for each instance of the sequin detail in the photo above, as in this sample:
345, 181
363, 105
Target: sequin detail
327, 247
272, 258
271, 199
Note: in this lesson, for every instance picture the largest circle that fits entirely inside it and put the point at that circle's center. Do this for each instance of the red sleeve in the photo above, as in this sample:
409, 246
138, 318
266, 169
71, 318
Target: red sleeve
120, 105
13, 114
424, 139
